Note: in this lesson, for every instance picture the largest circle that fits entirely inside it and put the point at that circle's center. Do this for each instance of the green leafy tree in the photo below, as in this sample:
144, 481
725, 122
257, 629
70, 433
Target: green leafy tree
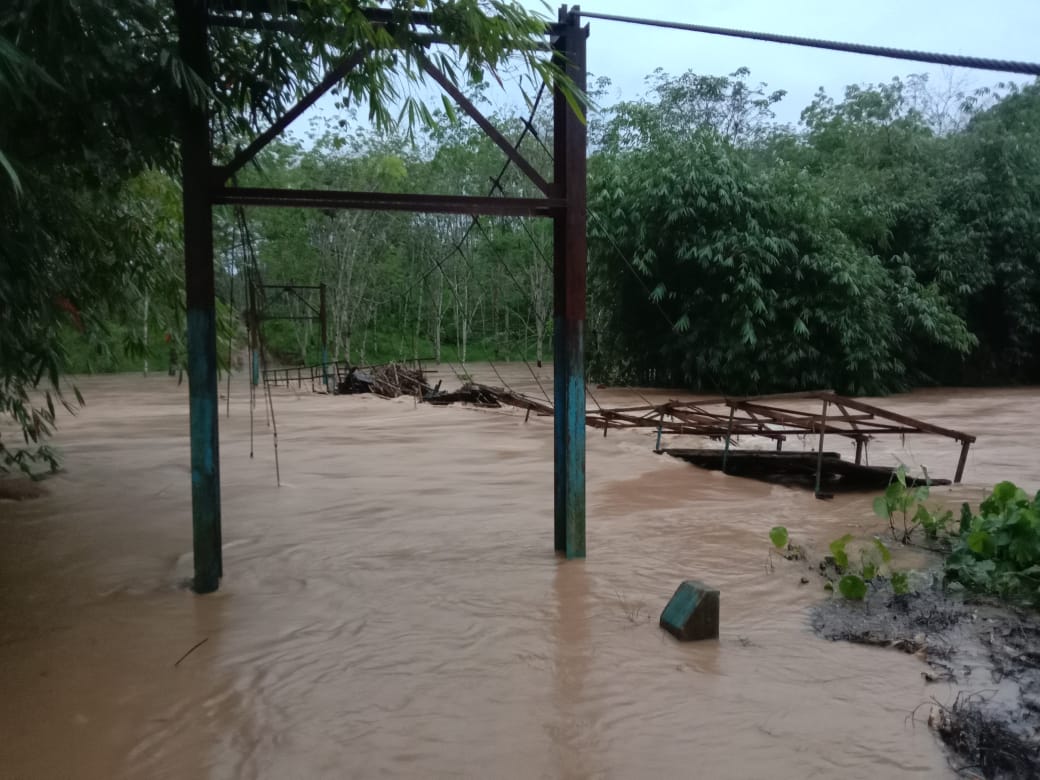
87, 90
889, 243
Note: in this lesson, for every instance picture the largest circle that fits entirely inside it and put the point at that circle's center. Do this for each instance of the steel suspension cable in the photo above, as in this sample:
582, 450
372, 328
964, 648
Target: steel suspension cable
935, 58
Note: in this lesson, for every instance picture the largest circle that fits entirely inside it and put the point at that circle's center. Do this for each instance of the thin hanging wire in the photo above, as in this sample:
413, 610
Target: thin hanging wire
250, 325
548, 264
231, 332
519, 287
456, 248
259, 298
473, 220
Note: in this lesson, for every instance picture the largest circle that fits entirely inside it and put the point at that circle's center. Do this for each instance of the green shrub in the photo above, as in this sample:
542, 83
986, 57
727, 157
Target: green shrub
905, 503
998, 551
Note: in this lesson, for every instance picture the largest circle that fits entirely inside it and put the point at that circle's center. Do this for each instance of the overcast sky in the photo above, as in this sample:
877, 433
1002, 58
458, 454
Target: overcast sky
627, 53
1003, 29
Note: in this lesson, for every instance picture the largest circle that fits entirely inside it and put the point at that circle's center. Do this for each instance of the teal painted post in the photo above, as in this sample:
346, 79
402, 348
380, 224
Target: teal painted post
569, 429
729, 432
203, 399
819, 451
323, 321
569, 261
256, 368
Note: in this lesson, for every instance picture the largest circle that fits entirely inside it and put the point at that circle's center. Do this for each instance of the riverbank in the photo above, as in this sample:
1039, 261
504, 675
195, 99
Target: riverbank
983, 649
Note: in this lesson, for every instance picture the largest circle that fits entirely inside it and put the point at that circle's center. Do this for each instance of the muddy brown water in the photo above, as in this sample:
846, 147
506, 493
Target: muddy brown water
395, 607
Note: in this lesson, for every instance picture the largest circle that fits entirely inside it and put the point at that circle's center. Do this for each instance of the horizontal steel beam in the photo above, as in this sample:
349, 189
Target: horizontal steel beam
294, 8
298, 28
280, 10
810, 420
902, 419
255, 23
384, 201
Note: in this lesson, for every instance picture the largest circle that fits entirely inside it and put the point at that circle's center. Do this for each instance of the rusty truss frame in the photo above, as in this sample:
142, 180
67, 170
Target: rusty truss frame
728, 418
766, 416
261, 308
208, 183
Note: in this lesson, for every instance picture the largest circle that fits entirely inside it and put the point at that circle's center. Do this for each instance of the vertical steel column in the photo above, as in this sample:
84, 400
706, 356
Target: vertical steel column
819, 452
729, 437
202, 321
569, 259
323, 319
962, 462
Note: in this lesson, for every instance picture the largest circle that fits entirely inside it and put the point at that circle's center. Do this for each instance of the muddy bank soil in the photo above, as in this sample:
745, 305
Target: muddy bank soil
988, 651
17, 488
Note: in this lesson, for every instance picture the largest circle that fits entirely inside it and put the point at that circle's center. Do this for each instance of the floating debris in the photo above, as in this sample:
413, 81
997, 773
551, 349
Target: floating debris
390, 380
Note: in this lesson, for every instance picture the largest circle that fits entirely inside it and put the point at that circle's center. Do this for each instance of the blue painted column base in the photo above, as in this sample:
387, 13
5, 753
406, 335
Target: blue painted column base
205, 457
569, 429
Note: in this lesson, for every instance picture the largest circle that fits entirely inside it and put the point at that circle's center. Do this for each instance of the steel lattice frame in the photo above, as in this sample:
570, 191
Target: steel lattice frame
206, 184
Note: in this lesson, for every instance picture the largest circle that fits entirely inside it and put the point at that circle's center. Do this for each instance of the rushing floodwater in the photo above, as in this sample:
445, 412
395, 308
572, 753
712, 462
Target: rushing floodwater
395, 608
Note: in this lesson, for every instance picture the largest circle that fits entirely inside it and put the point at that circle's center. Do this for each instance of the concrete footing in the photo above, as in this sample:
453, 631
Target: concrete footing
692, 613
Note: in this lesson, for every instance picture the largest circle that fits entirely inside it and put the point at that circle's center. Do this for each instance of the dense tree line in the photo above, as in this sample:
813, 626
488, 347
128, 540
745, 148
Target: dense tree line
889, 240
892, 239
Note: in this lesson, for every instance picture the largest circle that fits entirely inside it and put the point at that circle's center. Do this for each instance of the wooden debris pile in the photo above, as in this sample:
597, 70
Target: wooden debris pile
489, 397
389, 381
469, 393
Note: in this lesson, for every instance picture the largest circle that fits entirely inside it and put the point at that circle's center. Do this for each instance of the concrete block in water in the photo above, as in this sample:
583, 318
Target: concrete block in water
693, 612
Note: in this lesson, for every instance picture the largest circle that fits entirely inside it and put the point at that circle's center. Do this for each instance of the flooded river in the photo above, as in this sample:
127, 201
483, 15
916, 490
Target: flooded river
395, 607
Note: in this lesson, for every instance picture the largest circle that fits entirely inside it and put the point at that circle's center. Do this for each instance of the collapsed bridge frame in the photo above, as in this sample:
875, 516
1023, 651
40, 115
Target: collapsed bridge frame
768, 416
